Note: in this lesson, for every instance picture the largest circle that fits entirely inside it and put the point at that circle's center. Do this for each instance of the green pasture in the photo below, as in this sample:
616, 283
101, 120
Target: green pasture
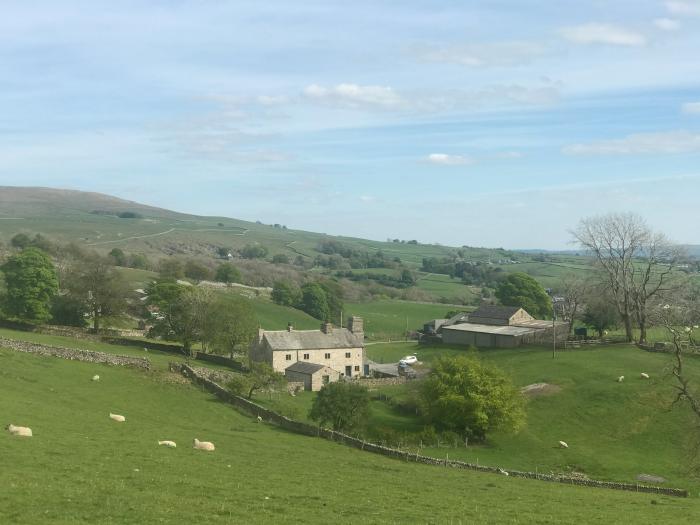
81, 467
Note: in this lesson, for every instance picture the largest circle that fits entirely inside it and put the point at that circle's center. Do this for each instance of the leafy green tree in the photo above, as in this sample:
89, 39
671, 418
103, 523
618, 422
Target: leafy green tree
139, 261
280, 258
260, 377
519, 289
227, 273
21, 241
233, 325
470, 398
314, 301
68, 311
334, 298
118, 256
601, 315
171, 268
344, 405
162, 293
103, 289
187, 317
31, 283
223, 251
197, 271
286, 293
253, 251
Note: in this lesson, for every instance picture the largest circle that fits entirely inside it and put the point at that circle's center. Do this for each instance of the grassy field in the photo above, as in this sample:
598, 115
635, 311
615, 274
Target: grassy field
387, 320
80, 467
615, 430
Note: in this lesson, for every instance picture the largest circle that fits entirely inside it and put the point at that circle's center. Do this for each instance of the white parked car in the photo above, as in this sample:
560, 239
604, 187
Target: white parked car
409, 360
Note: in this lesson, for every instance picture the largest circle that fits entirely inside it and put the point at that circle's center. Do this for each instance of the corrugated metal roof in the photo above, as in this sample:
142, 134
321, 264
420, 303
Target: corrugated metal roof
313, 339
492, 329
302, 367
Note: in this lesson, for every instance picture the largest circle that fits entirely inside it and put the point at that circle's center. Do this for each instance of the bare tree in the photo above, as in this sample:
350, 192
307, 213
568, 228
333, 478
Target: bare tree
574, 290
636, 263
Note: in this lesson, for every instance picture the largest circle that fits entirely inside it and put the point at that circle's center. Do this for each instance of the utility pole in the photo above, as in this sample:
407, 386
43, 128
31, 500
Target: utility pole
554, 329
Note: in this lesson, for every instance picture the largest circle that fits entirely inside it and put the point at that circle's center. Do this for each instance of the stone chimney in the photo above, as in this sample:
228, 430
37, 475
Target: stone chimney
326, 328
290, 327
356, 325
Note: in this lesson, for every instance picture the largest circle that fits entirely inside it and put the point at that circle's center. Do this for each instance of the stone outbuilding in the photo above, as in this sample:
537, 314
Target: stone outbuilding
313, 376
493, 326
341, 349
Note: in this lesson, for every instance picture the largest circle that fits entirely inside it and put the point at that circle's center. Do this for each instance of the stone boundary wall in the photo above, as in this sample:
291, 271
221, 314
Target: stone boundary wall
309, 430
375, 382
175, 349
73, 354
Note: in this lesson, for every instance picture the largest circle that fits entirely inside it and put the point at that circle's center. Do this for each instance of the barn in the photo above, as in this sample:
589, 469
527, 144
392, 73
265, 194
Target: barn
492, 326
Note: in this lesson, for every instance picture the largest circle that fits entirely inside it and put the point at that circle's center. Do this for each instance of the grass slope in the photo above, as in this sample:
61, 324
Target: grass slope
80, 467
614, 430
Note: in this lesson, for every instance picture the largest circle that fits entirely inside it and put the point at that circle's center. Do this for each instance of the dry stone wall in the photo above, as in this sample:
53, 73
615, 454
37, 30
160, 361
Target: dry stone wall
73, 354
298, 427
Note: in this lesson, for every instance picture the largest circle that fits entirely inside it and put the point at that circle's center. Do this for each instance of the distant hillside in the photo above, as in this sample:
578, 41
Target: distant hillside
92, 219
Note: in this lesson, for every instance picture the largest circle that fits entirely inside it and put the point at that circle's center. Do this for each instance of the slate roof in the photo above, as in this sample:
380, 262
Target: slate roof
492, 311
313, 339
302, 367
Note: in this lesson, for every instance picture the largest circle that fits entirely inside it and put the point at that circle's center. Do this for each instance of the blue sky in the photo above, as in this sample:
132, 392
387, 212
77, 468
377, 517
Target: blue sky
497, 123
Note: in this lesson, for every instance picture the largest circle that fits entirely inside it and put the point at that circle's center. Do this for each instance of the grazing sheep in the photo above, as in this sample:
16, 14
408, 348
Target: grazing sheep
644, 375
19, 431
117, 417
259, 419
620, 379
563, 444
203, 445
501, 471
95, 377
169, 444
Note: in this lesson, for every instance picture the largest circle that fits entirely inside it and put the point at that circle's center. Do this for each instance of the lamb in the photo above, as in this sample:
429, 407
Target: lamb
203, 445
169, 444
563, 444
620, 379
644, 375
19, 431
117, 417
95, 377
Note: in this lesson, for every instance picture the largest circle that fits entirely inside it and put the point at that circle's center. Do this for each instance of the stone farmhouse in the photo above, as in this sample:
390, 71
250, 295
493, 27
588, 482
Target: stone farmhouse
492, 326
335, 353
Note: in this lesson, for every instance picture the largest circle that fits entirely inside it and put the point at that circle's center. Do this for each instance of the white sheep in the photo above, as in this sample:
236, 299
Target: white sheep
259, 419
203, 445
117, 417
95, 377
19, 431
501, 471
563, 444
167, 443
620, 379
644, 375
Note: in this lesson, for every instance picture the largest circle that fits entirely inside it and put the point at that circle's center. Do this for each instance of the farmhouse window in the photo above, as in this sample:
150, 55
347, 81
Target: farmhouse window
357, 368
306, 356
288, 357
347, 354
327, 356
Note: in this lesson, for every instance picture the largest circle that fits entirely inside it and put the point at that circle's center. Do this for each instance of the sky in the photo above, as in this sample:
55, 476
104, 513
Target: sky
497, 124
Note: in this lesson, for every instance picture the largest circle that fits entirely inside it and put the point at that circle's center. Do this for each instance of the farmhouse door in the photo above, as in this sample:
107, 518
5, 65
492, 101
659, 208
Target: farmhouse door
348, 371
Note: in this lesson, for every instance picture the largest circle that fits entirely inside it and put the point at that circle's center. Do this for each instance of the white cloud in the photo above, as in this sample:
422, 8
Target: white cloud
667, 24
669, 142
684, 7
496, 54
692, 108
272, 100
367, 198
449, 160
602, 34
355, 96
